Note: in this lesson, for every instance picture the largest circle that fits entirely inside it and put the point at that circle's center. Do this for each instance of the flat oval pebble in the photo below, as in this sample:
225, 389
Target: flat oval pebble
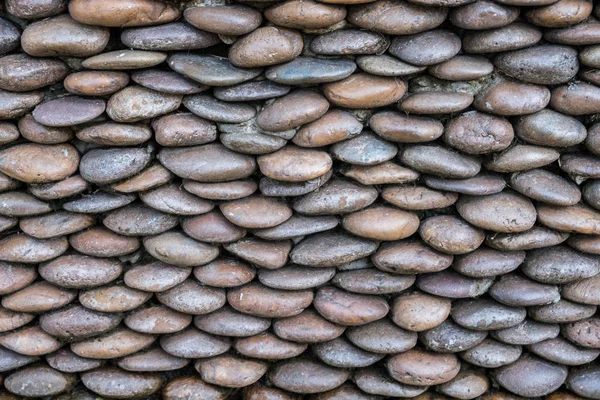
341, 353
332, 198
436, 102
233, 19
116, 298
34, 163
396, 18
102, 166
462, 67
38, 133
157, 320
268, 346
331, 249
78, 322
295, 277
210, 108
560, 264
310, 70
67, 271
486, 314
26, 249
266, 46
63, 36
511, 212
124, 60
21, 72
65, 360
70, 110
229, 322
450, 234
168, 37
136, 103
363, 90
527, 333
297, 108
437, 160
210, 70
364, 149
420, 368
492, 354
30, 341
13, 105
349, 309
178, 249
38, 381
98, 202
256, 299
548, 187
530, 376
212, 163
448, 337
484, 14
512, 98
193, 387
560, 14
305, 376
349, 41
251, 91
96, 83
155, 277
118, 343
514, 36
256, 212
123, 13
474, 132
9, 36
435, 46
578, 100
118, 383
151, 361
385, 65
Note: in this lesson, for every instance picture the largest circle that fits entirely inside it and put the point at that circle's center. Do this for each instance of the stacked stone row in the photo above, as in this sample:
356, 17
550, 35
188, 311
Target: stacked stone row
335, 199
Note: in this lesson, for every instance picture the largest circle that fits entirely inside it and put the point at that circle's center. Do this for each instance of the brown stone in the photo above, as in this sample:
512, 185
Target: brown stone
217, 371
11, 320
77, 322
562, 311
478, 133
183, 130
112, 382
234, 19
542, 185
349, 309
118, 343
34, 163
486, 314
483, 15
294, 164
392, 224
396, 18
331, 249
28, 9
191, 297
152, 360
377, 382
492, 354
124, 60
504, 212
157, 320
101, 242
516, 290
116, 298
450, 234
192, 388
135, 103
334, 126
96, 83
13, 105
14, 277
76, 271
155, 277
38, 298
65, 360
56, 224
582, 34
25, 249
21, 72
435, 102
123, 13
307, 327
560, 264
218, 163
268, 346
419, 312
256, 299
420, 368
63, 36
30, 341
410, 257
38, 133
266, 254
305, 14
178, 249
168, 37
304, 376
256, 212
512, 98
426, 48
166, 82
579, 99
362, 90
228, 322
342, 42
39, 381
530, 376
297, 108
462, 67
8, 132
224, 273
522, 157
514, 36
560, 14
266, 46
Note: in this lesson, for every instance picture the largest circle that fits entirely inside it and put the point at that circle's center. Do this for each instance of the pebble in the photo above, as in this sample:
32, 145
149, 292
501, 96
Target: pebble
307, 327
132, 104
123, 13
363, 90
295, 277
512, 98
372, 281
168, 37
270, 255
224, 273
450, 234
515, 290
66, 271
332, 198
410, 257
96, 83
233, 20
310, 70
479, 185
582, 34
251, 91
392, 224
266, 46
439, 161
124, 60
420, 368
212, 227
364, 149
562, 311
384, 65
117, 343
382, 337
482, 15
466, 385
436, 102
578, 99
298, 14
297, 226
492, 354
462, 67
560, 14
38, 133
584, 382
402, 128
331, 249
475, 132
193, 343
229, 322
514, 36
103, 166
35, 163
193, 388
341, 353
63, 36
542, 185
451, 284
98, 202
56, 224
396, 18
115, 134
305, 376
530, 376
560, 264
65, 360
67, 111
9, 320
504, 212
190, 297
377, 382
157, 320
419, 311
522, 157
486, 314
449, 337
210, 70
152, 360
256, 299
349, 309
178, 249
183, 129
30, 341
269, 347
77, 322
256, 212
155, 277
15, 277
25, 249
14, 105
112, 382
38, 381
27, 9
561, 351
22, 73
427, 48
297, 108
217, 371
208, 107
213, 163
110, 299
550, 128
9, 36
8, 133
349, 42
